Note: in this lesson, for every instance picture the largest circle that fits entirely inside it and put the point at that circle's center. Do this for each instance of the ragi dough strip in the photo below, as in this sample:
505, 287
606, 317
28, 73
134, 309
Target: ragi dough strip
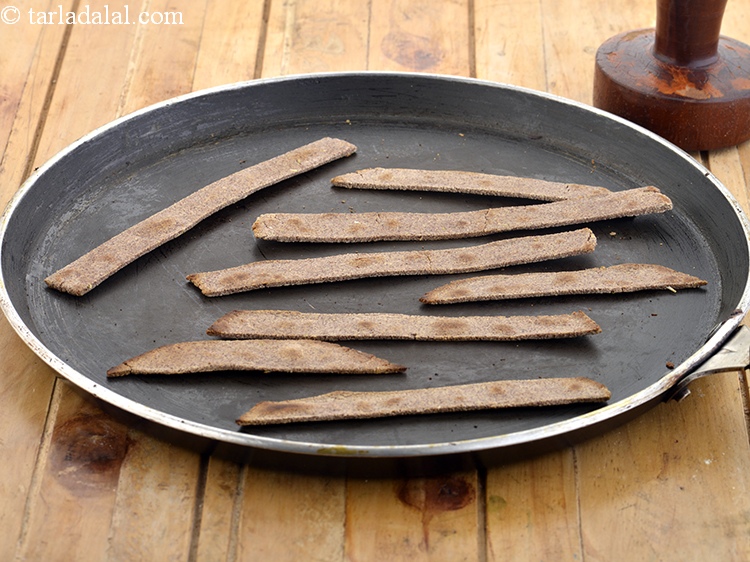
623, 278
88, 271
285, 324
287, 356
341, 267
455, 181
344, 405
370, 227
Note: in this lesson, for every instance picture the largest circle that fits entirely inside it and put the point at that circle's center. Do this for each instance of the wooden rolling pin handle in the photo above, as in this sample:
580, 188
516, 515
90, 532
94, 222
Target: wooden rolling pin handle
687, 33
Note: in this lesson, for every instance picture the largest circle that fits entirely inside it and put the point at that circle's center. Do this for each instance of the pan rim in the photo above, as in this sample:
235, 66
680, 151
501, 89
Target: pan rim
558, 429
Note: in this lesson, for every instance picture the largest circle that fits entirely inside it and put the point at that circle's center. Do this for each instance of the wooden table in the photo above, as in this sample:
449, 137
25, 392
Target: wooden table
77, 484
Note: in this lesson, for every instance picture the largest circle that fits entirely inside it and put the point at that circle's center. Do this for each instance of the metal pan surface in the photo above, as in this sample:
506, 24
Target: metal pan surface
140, 164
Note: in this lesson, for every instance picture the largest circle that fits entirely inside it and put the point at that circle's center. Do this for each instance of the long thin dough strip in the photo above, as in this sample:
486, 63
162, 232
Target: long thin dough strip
344, 405
285, 324
288, 356
88, 271
341, 267
454, 181
369, 227
622, 278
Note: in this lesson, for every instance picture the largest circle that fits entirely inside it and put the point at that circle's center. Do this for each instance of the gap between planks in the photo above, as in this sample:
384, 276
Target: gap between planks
260, 52
37, 476
472, 37
200, 494
39, 129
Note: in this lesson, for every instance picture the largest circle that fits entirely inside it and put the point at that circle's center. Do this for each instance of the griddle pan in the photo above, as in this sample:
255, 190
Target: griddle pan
142, 163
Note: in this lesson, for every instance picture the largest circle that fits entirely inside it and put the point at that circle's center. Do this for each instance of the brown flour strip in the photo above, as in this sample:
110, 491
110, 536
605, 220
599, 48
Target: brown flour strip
289, 356
285, 324
453, 181
92, 268
343, 405
369, 227
622, 278
502, 253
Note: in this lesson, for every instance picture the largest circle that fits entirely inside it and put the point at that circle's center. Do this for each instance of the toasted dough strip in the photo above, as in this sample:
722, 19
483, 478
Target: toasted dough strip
88, 271
453, 181
624, 278
342, 405
289, 356
502, 253
285, 324
369, 227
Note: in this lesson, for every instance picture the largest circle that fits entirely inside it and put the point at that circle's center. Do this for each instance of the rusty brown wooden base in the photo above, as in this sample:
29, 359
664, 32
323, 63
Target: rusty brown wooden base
695, 107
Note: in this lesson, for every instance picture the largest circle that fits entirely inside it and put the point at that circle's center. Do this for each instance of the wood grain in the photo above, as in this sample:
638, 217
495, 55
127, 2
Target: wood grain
316, 36
508, 42
232, 34
572, 32
162, 61
291, 516
25, 388
154, 511
671, 489
219, 520
412, 35
26, 384
532, 510
78, 475
85, 99
36, 57
415, 519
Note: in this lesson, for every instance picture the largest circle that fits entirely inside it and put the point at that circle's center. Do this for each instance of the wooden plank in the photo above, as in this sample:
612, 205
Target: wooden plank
532, 510
19, 72
508, 42
426, 518
217, 539
727, 165
28, 72
26, 384
417, 36
159, 481
25, 387
316, 36
676, 477
88, 89
229, 43
154, 511
291, 516
72, 504
574, 30
163, 59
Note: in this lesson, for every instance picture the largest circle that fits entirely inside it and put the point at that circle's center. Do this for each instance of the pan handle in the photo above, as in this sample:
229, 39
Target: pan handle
732, 356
